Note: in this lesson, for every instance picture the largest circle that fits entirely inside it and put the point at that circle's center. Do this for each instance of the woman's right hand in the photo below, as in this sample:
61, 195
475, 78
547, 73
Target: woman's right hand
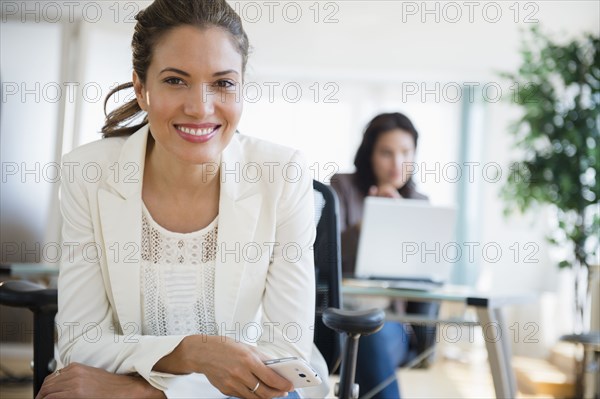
233, 367
384, 190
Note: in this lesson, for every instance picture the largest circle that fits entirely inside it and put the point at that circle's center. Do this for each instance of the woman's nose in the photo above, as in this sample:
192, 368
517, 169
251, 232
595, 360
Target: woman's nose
200, 102
399, 160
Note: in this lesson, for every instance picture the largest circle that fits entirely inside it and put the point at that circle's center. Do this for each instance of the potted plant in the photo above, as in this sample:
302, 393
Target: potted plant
557, 137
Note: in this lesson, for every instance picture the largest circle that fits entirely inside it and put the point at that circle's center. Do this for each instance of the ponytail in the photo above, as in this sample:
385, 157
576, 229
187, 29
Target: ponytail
117, 120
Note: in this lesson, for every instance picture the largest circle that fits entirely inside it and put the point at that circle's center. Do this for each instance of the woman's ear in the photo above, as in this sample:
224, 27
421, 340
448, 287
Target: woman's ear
140, 94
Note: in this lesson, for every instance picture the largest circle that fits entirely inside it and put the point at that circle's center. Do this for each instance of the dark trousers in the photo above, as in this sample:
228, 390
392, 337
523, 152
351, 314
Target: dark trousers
379, 355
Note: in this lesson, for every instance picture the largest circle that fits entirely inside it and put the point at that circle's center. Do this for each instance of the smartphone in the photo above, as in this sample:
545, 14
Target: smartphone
295, 370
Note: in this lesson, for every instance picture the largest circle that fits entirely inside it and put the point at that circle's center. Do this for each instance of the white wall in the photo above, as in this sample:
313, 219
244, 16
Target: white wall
28, 139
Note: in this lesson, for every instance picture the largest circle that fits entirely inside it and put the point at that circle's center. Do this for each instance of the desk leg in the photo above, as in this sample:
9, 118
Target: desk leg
496, 339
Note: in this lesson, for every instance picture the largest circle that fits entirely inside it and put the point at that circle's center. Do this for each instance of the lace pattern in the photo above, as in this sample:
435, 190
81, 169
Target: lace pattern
177, 279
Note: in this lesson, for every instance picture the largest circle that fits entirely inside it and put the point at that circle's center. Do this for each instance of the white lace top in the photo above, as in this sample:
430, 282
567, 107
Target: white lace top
177, 279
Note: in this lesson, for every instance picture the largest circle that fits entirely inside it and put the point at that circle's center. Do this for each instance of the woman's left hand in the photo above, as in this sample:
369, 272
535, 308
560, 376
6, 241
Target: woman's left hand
81, 381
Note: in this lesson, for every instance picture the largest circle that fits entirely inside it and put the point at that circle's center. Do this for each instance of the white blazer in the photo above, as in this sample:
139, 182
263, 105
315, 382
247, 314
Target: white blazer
264, 272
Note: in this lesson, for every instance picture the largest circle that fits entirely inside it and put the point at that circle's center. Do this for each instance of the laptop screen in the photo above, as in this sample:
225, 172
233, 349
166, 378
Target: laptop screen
406, 239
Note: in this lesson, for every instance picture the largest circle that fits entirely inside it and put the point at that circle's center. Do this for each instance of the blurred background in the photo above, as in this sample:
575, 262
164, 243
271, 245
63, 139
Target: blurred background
318, 72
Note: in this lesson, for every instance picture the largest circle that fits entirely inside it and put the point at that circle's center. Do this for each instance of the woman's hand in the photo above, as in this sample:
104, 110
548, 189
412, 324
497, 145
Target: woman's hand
81, 381
384, 190
236, 369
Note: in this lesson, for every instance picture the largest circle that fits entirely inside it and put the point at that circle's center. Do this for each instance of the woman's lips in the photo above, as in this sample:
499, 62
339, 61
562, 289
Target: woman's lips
197, 133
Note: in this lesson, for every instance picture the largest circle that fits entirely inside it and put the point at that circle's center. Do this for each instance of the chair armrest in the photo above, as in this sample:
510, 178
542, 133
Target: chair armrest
362, 322
25, 294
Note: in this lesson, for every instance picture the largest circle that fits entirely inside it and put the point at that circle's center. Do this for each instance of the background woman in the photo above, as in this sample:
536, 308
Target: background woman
383, 164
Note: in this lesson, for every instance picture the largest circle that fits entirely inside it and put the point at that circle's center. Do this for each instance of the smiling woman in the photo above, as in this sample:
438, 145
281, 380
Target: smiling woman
162, 274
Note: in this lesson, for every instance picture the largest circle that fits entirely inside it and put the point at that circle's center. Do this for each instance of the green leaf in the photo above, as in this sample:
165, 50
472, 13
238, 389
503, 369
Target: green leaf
558, 91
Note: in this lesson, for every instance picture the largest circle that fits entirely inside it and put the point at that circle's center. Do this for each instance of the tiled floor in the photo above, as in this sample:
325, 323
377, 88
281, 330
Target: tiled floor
15, 358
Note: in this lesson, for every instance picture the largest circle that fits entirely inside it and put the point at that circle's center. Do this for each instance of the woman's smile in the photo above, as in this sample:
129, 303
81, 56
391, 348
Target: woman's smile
197, 133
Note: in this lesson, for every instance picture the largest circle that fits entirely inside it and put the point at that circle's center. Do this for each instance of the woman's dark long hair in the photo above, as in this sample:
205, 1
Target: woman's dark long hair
363, 161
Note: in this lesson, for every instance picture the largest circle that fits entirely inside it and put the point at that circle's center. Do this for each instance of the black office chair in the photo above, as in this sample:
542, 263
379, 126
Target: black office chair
330, 320
42, 302
327, 272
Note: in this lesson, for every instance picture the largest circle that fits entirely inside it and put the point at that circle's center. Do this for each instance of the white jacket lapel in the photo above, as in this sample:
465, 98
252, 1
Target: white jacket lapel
121, 228
120, 208
239, 208
237, 225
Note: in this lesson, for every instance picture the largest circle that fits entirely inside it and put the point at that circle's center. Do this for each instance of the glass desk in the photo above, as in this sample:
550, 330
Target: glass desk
488, 308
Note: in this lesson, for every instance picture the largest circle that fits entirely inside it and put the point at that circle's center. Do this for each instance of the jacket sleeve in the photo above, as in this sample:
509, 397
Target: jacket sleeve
88, 332
289, 298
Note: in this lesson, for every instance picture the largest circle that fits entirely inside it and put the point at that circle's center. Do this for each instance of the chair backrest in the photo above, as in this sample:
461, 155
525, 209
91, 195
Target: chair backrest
328, 271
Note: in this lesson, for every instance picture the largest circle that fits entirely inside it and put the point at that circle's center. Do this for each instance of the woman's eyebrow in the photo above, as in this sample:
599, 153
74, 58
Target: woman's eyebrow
179, 71
221, 73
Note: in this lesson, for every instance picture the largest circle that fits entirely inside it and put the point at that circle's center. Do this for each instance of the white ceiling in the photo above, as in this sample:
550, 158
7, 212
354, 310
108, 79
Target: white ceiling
371, 39
383, 40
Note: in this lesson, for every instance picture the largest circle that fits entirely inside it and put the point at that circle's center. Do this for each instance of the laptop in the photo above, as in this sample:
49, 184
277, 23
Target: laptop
405, 244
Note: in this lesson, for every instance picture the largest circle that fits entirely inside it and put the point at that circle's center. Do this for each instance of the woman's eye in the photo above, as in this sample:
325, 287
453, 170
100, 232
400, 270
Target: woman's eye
225, 84
174, 81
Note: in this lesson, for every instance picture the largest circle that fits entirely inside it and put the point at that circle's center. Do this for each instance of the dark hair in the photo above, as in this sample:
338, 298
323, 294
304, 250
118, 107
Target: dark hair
152, 23
364, 177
